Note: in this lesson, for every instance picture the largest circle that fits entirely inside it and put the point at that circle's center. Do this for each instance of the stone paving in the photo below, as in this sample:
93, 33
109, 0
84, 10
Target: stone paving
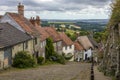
70, 71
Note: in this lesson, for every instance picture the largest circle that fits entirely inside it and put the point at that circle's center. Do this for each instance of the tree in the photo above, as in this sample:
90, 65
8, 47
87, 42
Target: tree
71, 36
101, 36
49, 48
83, 33
115, 13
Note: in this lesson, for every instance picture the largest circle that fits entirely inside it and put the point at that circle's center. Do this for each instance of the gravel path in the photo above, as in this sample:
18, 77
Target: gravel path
70, 71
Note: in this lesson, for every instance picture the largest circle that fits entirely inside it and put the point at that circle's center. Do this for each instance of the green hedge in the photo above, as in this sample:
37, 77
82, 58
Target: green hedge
59, 58
68, 56
23, 60
40, 60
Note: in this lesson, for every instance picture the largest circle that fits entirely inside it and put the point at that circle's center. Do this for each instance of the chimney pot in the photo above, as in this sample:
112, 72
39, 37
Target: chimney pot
38, 20
21, 9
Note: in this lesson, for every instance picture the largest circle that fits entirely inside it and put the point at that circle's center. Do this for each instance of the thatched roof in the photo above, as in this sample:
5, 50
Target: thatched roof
85, 42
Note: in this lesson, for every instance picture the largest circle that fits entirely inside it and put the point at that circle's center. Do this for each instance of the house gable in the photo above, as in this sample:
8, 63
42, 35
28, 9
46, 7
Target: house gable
10, 20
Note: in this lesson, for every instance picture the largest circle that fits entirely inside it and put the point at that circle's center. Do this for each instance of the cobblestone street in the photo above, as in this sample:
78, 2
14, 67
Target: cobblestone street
70, 71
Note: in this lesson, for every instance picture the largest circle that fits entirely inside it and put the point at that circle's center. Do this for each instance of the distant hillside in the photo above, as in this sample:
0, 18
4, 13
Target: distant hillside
93, 26
100, 21
85, 24
103, 21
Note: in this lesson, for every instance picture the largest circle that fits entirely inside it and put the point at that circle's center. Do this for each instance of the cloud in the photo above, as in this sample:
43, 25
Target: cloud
58, 6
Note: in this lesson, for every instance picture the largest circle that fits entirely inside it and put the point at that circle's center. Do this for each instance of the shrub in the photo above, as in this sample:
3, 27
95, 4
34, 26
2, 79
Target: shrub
59, 58
23, 60
68, 56
40, 60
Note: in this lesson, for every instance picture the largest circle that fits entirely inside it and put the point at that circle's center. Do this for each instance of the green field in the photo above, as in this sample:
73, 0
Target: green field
71, 32
61, 22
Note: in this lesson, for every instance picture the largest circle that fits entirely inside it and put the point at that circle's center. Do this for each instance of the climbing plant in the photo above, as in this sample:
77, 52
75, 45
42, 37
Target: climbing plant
49, 48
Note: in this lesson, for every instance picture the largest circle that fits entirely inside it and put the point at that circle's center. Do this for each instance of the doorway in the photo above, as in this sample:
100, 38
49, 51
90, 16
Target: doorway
86, 56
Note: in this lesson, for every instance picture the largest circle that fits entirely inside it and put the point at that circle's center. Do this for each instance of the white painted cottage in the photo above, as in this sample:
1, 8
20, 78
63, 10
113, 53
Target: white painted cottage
87, 45
68, 45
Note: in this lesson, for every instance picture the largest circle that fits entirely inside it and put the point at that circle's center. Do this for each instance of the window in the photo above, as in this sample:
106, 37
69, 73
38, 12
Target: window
35, 40
65, 47
26, 45
59, 43
70, 46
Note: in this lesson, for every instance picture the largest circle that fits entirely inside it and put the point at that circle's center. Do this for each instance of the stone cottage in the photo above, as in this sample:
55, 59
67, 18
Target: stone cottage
57, 41
23, 24
43, 34
79, 51
12, 40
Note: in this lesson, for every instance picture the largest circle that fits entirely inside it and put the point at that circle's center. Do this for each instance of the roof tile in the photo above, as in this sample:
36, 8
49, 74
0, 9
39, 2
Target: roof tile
9, 35
66, 39
52, 33
25, 24
78, 46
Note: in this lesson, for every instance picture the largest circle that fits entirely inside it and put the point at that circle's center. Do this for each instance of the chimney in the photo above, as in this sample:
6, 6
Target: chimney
21, 9
35, 22
32, 20
38, 20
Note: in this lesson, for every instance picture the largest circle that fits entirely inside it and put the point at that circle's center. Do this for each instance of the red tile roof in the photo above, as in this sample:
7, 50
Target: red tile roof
43, 33
78, 46
36, 23
52, 33
66, 39
25, 24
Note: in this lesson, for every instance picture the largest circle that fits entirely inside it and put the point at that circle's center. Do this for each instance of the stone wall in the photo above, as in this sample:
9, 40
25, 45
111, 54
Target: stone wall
111, 59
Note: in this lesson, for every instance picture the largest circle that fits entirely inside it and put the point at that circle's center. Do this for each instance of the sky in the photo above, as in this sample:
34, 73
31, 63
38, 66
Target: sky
60, 9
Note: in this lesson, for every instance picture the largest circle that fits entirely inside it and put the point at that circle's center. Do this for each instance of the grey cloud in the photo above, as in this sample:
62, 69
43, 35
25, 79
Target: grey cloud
87, 2
56, 5
66, 5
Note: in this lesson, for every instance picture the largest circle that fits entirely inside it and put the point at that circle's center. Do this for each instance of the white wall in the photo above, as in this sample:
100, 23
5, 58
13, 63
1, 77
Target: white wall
68, 49
88, 52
